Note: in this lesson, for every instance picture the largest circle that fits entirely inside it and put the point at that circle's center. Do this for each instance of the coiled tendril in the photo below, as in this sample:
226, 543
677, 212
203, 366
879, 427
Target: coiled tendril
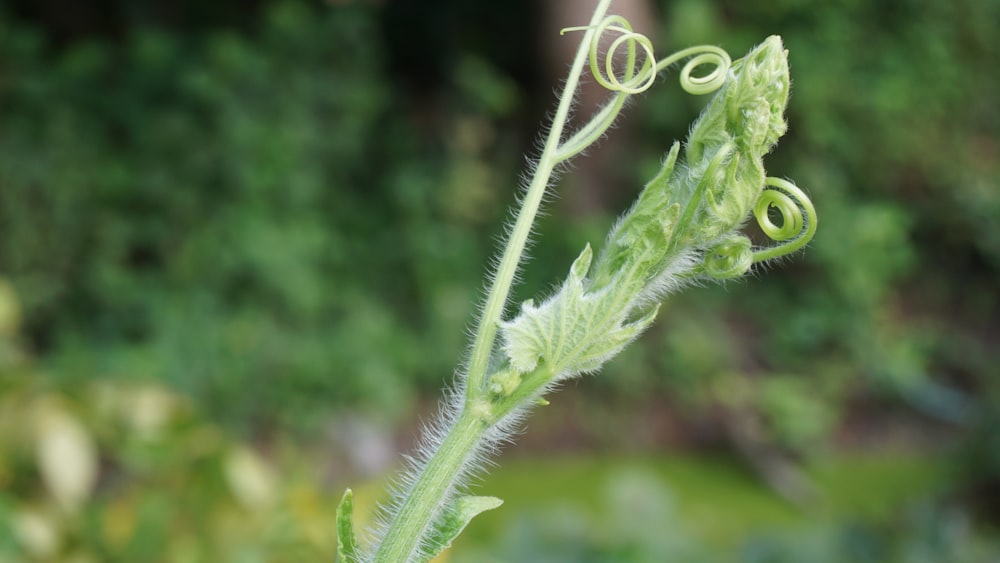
732, 256
635, 77
798, 218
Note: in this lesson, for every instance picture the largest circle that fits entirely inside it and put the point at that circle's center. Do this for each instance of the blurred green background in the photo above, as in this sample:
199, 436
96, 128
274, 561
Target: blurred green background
241, 244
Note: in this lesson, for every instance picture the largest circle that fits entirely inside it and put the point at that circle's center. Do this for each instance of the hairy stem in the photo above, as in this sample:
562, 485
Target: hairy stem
431, 491
499, 291
437, 480
685, 223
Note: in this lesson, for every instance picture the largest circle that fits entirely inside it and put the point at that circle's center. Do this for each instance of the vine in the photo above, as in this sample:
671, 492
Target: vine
684, 226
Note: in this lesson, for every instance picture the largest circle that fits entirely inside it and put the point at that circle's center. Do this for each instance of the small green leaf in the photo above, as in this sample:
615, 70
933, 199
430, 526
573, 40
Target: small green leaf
347, 544
576, 330
455, 519
582, 263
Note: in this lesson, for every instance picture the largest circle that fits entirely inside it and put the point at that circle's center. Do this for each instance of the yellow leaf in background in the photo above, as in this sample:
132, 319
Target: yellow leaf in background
149, 410
313, 515
10, 309
118, 521
250, 479
66, 456
36, 532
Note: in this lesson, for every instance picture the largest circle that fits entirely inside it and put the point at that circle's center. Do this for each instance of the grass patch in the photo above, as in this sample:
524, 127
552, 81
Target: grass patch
716, 500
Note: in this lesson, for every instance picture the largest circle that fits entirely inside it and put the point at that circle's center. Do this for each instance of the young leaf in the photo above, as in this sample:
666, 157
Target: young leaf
454, 520
575, 331
347, 544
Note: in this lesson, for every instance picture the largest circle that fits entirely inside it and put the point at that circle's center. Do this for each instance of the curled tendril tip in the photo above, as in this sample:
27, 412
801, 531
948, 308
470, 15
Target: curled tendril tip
798, 218
635, 78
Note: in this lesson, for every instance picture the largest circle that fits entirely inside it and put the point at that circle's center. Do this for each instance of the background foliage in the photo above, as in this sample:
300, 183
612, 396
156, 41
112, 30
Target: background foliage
281, 210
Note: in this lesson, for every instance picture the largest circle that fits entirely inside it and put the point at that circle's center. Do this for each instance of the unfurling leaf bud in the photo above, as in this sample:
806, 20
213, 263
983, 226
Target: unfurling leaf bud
683, 226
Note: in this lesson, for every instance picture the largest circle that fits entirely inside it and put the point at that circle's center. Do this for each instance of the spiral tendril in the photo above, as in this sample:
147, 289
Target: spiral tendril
798, 218
635, 78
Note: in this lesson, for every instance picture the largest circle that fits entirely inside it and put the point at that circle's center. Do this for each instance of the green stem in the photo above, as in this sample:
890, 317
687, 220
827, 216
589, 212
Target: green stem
593, 129
427, 498
433, 486
482, 346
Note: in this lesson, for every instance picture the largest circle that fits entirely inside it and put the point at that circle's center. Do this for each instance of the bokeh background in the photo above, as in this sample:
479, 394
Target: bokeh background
241, 244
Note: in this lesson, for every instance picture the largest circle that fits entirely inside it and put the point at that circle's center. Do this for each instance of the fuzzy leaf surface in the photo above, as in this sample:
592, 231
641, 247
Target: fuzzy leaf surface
455, 519
575, 330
